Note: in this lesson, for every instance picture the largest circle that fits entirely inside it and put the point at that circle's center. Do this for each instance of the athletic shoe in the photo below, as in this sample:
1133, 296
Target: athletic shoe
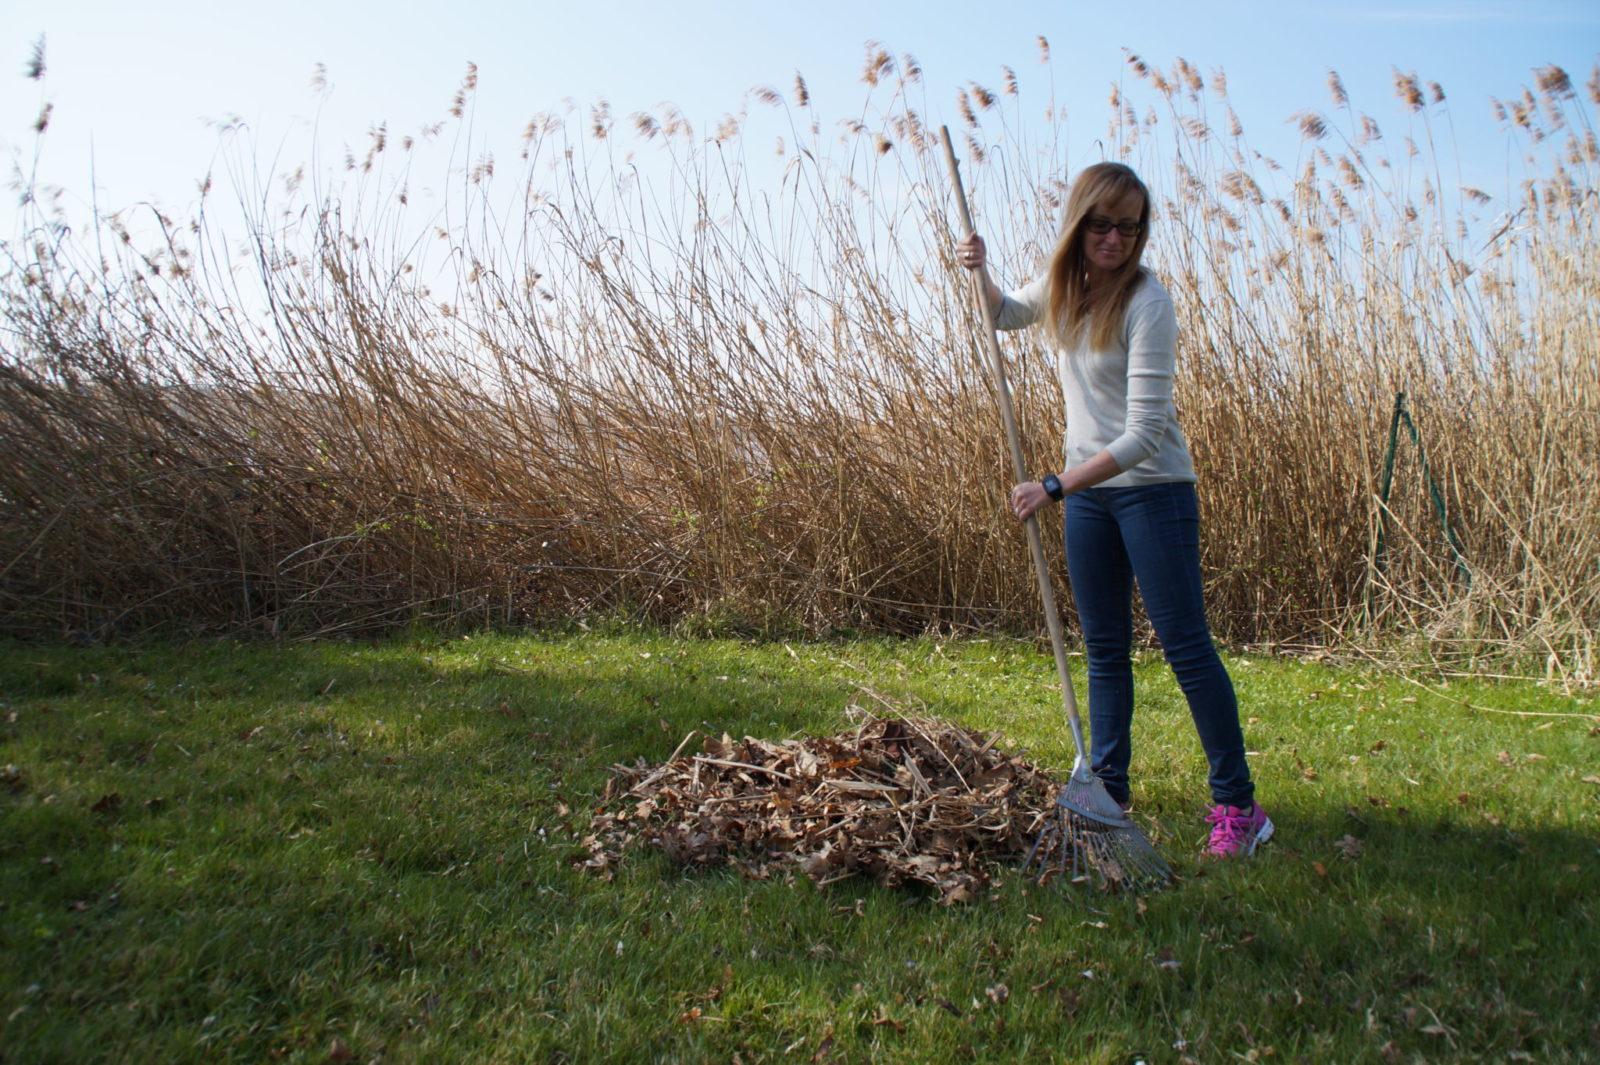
1236, 833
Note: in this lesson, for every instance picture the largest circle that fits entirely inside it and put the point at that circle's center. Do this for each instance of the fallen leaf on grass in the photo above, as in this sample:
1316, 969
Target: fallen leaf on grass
1349, 846
883, 1020
1591, 779
1505, 758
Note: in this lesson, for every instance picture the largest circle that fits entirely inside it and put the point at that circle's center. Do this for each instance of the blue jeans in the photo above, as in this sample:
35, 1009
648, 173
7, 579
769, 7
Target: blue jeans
1149, 534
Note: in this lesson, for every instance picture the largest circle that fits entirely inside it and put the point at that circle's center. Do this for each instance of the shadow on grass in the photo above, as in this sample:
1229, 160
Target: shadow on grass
375, 845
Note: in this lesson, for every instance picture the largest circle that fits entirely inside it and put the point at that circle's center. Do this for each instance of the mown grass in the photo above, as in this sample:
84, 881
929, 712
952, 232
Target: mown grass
249, 852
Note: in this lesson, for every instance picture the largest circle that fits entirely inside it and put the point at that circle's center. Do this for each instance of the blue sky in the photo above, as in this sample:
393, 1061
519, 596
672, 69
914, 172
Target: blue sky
140, 82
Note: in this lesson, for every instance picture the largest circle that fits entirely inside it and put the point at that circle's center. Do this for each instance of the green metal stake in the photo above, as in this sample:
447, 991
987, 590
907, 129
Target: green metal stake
1434, 494
1386, 481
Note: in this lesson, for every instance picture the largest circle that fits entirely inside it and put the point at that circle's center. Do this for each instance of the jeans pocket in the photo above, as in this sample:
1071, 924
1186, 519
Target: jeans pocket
1183, 514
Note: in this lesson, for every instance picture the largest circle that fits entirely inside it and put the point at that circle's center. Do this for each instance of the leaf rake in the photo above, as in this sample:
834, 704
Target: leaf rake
1086, 837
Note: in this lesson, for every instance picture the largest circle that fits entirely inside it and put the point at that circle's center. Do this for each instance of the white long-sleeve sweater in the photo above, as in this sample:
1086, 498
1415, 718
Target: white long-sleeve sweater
1118, 399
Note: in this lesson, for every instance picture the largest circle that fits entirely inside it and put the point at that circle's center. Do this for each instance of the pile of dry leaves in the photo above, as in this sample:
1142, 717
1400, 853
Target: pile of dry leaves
898, 799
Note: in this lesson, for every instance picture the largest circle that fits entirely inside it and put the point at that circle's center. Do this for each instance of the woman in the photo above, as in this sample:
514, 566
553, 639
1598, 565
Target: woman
1130, 512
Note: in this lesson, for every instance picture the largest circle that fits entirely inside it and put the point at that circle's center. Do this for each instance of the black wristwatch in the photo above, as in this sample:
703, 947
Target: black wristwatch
1052, 484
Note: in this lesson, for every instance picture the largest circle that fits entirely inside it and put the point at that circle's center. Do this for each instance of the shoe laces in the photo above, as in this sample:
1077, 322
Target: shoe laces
1226, 827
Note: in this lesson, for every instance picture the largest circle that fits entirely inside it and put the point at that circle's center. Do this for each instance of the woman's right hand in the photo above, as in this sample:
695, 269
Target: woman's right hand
971, 253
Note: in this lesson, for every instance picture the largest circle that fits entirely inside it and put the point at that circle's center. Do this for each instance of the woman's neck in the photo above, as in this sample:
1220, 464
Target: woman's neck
1094, 280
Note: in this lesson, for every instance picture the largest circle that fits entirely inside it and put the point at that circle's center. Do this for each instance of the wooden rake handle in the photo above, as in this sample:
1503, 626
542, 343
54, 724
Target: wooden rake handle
997, 365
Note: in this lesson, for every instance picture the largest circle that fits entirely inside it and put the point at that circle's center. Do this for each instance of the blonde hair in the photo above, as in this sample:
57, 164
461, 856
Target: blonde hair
1072, 305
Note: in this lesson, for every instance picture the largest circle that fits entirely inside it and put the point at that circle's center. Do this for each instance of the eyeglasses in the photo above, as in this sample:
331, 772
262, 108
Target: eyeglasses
1101, 226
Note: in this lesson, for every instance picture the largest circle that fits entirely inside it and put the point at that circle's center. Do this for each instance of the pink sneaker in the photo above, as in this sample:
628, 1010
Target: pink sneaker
1236, 833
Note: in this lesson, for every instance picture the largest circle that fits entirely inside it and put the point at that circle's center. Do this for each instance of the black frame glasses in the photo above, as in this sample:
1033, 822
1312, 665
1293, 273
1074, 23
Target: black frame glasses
1101, 226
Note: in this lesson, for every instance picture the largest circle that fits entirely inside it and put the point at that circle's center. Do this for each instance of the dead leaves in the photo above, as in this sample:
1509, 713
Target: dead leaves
1507, 759
883, 1020
897, 799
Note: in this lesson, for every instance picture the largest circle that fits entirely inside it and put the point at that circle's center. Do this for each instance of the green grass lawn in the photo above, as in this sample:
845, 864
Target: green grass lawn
361, 852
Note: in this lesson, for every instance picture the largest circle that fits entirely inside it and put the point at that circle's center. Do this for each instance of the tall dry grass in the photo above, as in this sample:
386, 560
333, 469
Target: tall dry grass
751, 392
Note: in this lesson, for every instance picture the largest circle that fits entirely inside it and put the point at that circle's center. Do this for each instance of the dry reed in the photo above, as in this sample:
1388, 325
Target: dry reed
704, 399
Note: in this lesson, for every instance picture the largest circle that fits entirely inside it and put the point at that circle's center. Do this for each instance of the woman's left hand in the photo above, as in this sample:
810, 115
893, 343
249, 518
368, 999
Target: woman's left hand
1027, 498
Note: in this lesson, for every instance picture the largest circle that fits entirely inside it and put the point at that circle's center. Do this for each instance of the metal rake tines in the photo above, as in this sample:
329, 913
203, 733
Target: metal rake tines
1084, 850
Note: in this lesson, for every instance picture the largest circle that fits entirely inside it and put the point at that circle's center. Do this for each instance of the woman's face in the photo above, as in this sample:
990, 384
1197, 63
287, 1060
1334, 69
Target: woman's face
1107, 252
